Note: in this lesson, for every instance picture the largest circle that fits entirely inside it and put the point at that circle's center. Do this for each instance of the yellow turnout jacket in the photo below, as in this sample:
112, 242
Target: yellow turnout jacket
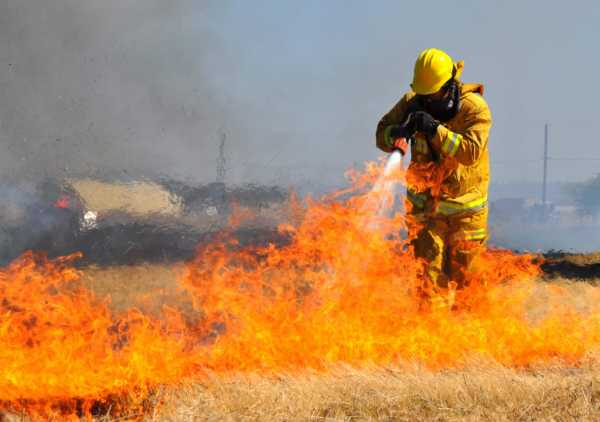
450, 174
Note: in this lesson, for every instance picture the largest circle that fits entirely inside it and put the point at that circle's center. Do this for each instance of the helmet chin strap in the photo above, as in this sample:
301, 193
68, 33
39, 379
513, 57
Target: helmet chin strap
453, 89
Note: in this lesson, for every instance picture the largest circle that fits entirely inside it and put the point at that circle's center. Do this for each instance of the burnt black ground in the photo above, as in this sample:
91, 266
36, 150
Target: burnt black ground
572, 266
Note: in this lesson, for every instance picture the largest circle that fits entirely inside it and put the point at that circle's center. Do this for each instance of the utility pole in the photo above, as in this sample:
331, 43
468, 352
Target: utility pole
221, 169
545, 180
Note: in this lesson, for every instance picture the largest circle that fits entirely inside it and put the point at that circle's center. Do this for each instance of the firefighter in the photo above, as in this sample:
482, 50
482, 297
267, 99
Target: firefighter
447, 123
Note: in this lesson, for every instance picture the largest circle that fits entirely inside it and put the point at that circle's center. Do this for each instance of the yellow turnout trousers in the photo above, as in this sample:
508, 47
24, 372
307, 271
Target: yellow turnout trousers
450, 245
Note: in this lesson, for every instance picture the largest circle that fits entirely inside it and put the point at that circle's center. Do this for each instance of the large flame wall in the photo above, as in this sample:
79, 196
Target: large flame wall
343, 290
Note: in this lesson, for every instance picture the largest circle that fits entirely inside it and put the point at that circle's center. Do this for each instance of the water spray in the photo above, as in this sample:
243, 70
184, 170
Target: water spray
382, 196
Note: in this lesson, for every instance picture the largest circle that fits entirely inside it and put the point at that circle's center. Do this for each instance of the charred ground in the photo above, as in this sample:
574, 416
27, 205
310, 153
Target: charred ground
572, 266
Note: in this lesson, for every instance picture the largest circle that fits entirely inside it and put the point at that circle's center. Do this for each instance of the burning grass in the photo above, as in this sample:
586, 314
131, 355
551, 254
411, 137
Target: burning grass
484, 392
63, 352
343, 293
482, 389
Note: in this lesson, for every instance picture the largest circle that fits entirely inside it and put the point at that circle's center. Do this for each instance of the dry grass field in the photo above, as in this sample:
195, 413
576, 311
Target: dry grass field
146, 286
483, 391
478, 393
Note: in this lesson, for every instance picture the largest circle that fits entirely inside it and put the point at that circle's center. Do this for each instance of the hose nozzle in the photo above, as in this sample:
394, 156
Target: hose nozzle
400, 144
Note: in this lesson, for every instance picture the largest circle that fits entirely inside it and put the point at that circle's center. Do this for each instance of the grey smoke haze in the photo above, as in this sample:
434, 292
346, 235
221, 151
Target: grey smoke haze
145, 87
109, 87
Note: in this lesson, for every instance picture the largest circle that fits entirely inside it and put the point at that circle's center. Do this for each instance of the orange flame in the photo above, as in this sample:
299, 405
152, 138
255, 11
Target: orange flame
62, 349
63, 202
343, 289
341, 292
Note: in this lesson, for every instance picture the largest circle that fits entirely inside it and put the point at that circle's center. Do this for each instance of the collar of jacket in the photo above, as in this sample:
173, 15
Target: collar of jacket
468, 88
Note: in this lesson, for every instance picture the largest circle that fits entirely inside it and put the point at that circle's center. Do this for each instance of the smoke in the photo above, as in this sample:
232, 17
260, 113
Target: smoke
27, 218
121, 88
518, 220
546, 235
132, 89
137, 89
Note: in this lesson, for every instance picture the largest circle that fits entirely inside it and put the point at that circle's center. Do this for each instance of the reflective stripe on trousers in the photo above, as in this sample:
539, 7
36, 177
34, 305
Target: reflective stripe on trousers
447, 208
478, 234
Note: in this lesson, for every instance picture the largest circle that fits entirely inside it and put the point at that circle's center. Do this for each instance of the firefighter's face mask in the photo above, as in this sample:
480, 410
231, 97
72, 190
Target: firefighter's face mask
444, 104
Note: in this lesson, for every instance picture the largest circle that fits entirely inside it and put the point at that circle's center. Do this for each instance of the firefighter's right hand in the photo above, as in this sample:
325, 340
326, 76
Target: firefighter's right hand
401, 144
398, 134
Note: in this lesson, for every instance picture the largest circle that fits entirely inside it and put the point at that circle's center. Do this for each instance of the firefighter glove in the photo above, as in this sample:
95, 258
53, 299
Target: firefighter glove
394, 132
423, 122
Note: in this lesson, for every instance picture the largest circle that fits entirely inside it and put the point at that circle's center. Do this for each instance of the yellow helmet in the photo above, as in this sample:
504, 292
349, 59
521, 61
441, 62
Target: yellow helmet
433, 69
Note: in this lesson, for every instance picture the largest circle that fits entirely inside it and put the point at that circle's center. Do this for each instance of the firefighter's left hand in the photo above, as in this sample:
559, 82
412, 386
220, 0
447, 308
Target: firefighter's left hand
423, 122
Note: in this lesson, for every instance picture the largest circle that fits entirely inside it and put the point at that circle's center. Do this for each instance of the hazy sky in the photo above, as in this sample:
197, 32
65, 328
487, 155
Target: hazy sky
147, 86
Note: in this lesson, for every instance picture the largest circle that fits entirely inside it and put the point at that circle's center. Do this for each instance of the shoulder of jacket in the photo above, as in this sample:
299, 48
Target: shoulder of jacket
408, 96
402, 104
474, 101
